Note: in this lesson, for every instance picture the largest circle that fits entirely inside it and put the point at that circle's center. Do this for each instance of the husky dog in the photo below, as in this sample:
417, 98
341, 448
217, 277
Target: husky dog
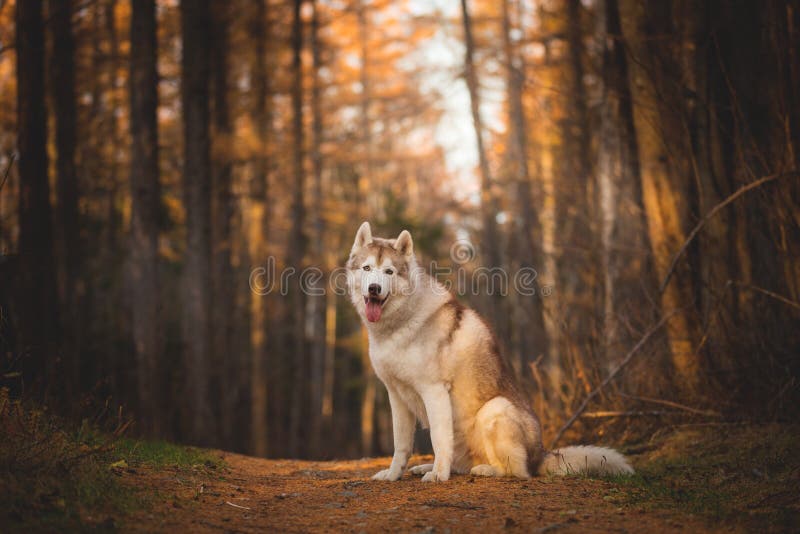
441, 365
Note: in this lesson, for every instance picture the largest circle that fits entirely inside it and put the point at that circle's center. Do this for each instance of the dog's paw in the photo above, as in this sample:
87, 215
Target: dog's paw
434, 476
483, 470
420, 470
386, 474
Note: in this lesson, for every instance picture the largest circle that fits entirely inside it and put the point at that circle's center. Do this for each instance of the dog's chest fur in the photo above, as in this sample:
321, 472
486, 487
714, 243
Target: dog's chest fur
410, 357
405, 359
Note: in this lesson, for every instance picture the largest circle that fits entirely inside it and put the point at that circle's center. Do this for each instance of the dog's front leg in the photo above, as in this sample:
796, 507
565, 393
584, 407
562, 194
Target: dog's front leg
440, 416
403, 423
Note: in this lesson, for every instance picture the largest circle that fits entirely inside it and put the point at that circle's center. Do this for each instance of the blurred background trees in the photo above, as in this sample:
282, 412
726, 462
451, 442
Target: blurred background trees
164, 150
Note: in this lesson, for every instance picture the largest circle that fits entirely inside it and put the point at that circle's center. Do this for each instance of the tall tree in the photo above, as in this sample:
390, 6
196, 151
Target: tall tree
110, 60
101, 148
660, 138
145, 199
317, 307
489, 208
297, 239
39, 316
195, 63
62, 85
713, 263
257, 224
226, 359
113, 235
577, 203
625, 243
364, 181
532, 334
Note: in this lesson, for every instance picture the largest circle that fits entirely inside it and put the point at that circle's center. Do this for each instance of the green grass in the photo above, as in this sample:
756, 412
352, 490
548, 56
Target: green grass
744, 476
57, 476
163, 454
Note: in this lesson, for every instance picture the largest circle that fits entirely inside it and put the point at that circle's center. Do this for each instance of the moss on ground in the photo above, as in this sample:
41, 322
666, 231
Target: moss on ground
55, 476
736, 475
159, 453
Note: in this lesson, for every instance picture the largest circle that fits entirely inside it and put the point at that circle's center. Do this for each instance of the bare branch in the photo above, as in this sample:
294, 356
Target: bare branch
708, 216
673, 404
8, 171
625, 361
769, 293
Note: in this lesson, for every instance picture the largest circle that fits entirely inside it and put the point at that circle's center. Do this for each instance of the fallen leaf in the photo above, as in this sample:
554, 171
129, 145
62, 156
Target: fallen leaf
121, 464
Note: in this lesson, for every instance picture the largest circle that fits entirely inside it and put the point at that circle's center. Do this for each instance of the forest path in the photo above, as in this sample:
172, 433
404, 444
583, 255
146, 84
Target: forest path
257, 495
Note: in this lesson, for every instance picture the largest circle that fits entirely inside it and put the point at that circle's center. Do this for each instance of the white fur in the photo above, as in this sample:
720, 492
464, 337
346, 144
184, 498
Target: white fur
585, 459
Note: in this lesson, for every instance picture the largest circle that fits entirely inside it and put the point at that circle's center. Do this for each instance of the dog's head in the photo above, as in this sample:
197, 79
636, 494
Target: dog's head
381, 272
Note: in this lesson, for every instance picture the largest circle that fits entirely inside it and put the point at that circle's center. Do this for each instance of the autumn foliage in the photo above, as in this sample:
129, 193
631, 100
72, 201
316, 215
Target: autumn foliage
642, 157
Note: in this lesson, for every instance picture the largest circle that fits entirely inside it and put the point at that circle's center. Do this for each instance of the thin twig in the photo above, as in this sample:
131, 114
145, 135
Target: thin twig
617, 413
673, 404
628, 357
8, 171
769, 293
739, 192
236, 505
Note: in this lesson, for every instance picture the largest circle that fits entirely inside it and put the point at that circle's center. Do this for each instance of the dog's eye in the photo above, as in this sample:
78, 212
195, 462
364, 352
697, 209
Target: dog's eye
366, 267
389, 271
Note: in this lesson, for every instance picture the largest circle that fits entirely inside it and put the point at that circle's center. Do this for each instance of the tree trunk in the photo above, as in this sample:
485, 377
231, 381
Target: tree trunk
62, 84
662, 156
114, 234
257, 224
489, 208
577, 210
296, 245
713, 267
195, 22
317, 307
38, 333
533, 337
626, 248
366, 179
145, 200
226, 360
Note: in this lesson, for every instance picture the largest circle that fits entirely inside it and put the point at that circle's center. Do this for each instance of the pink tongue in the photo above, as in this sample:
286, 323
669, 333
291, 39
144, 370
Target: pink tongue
373, 311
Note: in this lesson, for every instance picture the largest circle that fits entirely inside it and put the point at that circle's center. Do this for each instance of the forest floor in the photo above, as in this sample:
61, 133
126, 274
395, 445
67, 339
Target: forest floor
689, 478
257, 495
694, 479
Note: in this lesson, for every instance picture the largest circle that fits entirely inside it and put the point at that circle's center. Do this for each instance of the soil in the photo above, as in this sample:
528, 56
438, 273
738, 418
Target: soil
256, 495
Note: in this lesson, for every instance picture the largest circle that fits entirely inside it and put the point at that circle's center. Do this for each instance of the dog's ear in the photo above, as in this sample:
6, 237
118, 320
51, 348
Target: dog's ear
403, 244
363, 236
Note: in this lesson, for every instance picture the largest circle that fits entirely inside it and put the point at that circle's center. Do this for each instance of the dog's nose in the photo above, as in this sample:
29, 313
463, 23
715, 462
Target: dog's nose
374, 289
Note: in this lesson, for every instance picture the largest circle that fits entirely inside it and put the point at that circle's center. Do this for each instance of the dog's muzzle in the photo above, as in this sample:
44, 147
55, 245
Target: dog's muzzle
373, 303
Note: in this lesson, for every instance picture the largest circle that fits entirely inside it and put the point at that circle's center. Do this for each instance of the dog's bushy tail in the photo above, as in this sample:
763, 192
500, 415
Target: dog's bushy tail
585, 459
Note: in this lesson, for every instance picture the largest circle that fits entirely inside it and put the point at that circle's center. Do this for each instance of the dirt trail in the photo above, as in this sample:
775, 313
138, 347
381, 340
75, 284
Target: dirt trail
256, 495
